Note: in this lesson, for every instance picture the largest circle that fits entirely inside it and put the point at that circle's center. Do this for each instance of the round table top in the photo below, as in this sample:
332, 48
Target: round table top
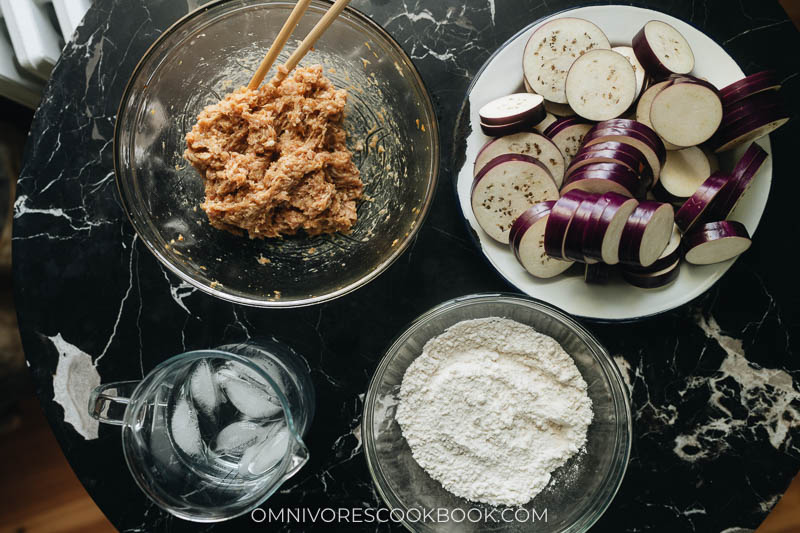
715, 384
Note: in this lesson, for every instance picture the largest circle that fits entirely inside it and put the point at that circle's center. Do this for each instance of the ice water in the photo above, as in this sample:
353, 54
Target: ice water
226, 423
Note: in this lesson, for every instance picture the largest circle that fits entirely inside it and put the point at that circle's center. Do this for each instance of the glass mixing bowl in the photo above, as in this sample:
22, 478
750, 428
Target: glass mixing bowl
578, 493
215, 50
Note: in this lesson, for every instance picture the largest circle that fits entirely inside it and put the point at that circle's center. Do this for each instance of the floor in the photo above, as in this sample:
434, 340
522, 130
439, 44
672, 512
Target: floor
39, 493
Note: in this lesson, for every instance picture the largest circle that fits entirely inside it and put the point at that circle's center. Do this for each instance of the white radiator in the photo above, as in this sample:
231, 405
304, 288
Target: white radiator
32, 34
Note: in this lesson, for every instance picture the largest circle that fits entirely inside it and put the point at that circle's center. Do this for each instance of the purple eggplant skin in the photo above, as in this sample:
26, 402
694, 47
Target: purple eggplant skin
712, 231
647, 57
633, 233
636, 130
573, 240
654, 280
766, 80
561, 123
693, 210
527, 219
558, 222
643, 168
724, 138
597, 273
593, 240
741, 177
622, 180
535, 113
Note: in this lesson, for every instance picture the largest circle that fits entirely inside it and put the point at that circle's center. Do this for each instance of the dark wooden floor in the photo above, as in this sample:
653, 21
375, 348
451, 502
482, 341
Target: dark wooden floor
39, 493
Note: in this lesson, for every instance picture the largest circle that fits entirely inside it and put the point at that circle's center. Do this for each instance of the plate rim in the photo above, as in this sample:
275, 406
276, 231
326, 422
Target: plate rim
459, 147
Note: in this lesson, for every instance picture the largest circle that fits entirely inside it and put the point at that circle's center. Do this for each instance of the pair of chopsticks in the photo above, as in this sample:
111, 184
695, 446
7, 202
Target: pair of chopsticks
305, 45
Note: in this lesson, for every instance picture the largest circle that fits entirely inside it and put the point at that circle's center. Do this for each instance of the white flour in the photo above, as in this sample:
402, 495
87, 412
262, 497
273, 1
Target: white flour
491, 408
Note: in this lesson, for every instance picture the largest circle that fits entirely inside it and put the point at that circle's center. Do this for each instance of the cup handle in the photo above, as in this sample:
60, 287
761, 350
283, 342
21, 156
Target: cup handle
107, 403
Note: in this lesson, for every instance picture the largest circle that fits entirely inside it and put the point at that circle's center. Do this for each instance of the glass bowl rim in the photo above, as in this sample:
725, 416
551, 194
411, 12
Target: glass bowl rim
619, 391
127, 197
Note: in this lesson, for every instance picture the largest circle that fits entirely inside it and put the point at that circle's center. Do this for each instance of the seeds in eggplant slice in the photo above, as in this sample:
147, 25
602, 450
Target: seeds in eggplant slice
552, 48
601, 85
527, 143
662, 50
507, 186
528, 243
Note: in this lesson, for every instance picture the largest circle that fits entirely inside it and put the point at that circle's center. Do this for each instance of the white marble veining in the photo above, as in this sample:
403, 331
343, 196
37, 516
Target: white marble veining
73, 382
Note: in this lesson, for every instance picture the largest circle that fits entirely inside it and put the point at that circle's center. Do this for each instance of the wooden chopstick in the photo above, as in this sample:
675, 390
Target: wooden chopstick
315, 33
280, 42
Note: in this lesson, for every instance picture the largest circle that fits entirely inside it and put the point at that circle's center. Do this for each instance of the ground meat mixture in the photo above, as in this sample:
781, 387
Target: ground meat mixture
274, 159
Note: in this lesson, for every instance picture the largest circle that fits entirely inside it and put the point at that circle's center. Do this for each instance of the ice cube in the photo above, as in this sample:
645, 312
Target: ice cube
252, 398
204, 389
264, 456
185, 428
237, 436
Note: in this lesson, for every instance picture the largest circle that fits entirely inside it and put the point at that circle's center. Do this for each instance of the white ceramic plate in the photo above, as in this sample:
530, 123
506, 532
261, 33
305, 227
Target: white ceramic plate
502, 74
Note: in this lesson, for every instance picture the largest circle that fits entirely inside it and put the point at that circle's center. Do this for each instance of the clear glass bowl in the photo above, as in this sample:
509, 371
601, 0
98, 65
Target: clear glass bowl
579, 492
216, 49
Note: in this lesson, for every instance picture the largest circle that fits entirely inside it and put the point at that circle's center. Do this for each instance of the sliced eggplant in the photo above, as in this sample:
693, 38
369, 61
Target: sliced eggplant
627, 152
600, 178
766, 80
653, 280
527, 143
602, 239
684, 171
513, 108
528, 243
673, 252
567, 134
545, 123
505, 187
600, 85
505, 129
651, 147
630, 55
560, 218
552, 48
662, 50
573, 241
741, 178
646, 102
716, 242
559, 110
748, 130
686, 113
696, 208
596, 273
646, 233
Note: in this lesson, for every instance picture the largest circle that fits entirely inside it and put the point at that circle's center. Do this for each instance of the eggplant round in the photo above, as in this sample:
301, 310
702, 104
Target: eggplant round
646, 233
696, 207
683, 172
748, 129
602, 239
507, 186
662, 50
616, 178
527, 143
716, 242
558, 223
601, 84
741, 178
653, 280
673, 252
766, 80
646, 102
686, 114
512, 108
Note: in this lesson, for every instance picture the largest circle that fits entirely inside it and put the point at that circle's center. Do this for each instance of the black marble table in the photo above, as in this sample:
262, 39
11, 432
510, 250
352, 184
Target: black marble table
715, 383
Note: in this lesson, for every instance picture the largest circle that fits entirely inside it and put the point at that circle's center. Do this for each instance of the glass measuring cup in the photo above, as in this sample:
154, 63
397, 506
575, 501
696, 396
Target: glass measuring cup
209, 435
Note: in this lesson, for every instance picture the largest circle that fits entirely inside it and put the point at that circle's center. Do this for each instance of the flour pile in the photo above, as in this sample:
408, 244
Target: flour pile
491, 408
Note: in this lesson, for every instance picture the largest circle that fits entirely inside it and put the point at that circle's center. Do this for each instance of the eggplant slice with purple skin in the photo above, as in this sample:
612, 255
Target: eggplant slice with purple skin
716, 242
